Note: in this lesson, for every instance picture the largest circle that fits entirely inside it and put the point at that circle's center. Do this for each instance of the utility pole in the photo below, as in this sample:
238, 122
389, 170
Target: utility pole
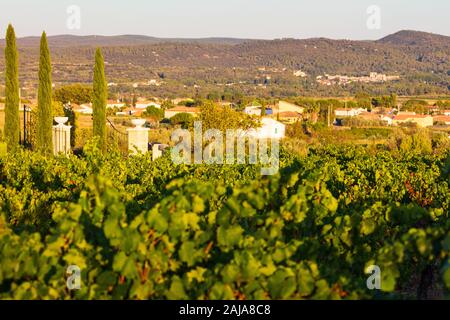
329, 116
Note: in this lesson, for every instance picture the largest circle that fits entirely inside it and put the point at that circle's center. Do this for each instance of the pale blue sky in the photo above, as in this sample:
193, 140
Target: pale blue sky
263, 19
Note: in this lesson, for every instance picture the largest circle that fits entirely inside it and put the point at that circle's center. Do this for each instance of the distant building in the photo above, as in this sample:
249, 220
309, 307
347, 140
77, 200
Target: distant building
300, 73
420, 120
375, 117
253, 110
289, 116
373, 77
348, 112
284, 106
443, 119
169, 113
446, 112
83, 109
433, 109
145, 104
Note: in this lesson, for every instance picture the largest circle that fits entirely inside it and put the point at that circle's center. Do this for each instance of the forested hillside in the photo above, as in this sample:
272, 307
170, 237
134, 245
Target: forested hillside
263, 66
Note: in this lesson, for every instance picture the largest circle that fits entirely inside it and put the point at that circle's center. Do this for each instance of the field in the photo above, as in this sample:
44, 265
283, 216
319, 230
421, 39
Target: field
138, 229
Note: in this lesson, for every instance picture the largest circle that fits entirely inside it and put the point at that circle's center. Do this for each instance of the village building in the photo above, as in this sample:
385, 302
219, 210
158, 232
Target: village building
145, 104
85, 108
169, 113
270, 129
420, 120
284, 106
442, 119
348, 112
289, 116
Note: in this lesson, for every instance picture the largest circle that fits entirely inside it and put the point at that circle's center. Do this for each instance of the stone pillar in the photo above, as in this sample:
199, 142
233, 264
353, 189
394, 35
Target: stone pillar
138, 137
61, 136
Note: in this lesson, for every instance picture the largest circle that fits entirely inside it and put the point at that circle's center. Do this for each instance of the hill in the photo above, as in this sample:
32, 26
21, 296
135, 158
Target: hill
416, 38
256, 67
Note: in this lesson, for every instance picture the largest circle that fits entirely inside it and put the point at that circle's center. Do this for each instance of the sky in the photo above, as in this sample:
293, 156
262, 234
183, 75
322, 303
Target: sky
256, 19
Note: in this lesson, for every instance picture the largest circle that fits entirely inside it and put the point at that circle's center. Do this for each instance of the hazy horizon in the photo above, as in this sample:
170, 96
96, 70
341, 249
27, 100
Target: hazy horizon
212, 37
244, 19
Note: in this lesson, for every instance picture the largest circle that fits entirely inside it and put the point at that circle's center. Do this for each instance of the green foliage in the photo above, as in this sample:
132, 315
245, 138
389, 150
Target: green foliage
58, 109
155, 113
3, 149
12, 99
140, 229
44, 141
76, 93
186, 120
100, 95
218, 117
418, 106
385, 101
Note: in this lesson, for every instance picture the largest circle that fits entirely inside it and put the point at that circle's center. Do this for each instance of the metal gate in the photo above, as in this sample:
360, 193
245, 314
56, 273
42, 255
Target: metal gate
26, 135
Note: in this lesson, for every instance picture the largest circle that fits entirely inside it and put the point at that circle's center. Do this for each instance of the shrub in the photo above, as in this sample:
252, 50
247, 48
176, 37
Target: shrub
184, 119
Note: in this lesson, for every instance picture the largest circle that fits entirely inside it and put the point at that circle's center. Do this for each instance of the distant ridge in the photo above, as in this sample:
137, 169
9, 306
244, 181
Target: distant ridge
68, 40
243, 65
401, 38
415, 38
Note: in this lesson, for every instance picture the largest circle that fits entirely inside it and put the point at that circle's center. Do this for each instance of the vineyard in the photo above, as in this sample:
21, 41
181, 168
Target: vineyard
139, 229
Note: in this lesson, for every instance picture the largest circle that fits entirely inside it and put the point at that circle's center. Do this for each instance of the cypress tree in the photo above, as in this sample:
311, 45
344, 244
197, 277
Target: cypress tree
12, 99
44, 141
99, 100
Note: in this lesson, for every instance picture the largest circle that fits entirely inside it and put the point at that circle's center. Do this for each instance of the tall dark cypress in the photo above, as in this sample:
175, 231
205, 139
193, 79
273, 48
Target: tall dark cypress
44, 143
99, 100
12, 99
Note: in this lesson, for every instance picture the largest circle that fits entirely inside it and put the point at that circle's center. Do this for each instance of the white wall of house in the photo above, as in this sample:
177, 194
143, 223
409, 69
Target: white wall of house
349, 112
270, 129
141, 105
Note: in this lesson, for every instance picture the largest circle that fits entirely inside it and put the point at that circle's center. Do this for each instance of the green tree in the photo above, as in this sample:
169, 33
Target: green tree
12, 99
186, 120
155, 113
263, 110
100, 95
44, 143
76, 93
214, 116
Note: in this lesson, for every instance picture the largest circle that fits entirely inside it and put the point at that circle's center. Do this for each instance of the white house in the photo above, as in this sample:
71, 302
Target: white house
270, 129
253, 110
83, 109
446, 112
145, 104
347, 112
